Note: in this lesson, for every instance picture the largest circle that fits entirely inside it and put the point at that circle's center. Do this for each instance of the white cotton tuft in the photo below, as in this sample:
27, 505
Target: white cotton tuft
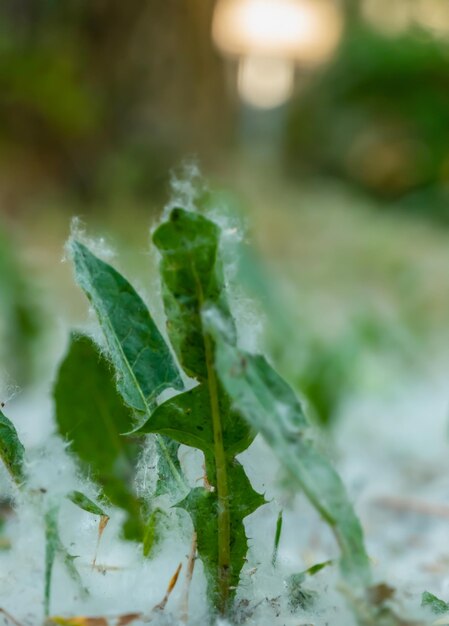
122, 581
185, 186
97, 245
126, 582
9, 390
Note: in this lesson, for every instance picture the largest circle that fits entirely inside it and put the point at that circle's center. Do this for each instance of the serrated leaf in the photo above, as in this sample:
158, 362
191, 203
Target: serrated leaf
202, 505
91, 415
11, 449
86, 504
270, 406
142, 359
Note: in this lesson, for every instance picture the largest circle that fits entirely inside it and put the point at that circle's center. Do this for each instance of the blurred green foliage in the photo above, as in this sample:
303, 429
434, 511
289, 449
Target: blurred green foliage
378, 116
328, 372
20, 321
325, 368
44, 86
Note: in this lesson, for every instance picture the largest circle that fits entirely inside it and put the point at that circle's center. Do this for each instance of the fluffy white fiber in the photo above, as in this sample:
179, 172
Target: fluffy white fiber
393, 456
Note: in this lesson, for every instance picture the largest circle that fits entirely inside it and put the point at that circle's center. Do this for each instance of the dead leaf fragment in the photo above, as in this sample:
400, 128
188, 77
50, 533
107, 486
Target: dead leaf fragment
121, 620
378, 594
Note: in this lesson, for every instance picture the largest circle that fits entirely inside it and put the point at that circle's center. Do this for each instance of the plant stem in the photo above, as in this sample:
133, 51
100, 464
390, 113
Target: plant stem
224, 519
223, 511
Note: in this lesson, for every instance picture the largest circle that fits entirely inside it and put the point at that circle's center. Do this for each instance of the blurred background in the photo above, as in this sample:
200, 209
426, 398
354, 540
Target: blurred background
324, 124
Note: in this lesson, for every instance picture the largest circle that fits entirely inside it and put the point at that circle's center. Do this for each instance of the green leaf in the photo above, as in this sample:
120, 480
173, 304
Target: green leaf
91, 415
203, 416
142, 360
85, 503
11, 450
186, 418
437, 606
272, 408
191, 275
202, 505
143, 363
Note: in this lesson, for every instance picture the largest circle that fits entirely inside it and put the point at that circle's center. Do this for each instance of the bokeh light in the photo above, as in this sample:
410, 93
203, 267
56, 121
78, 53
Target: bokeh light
269, 37
265, 83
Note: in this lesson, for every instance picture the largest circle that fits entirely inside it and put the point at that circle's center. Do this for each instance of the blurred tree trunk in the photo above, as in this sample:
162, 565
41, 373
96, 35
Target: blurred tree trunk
163, 76
143, 73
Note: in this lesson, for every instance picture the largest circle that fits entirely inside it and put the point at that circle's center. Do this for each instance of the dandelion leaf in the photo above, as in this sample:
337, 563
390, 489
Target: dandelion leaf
202, 505
203, 416
143, 362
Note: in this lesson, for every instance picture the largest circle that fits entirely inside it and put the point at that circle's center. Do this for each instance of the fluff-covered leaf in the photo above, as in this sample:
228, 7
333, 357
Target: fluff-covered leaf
143, 361
191, 276
236, 395
270, 406
203, 417
11, 449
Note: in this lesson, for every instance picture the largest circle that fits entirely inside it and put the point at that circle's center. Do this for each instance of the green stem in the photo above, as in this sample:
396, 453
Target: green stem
223, 512
224, 518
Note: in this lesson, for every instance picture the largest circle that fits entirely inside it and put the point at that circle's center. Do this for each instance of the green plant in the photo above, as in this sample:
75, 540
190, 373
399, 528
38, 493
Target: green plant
234, 396
220, 397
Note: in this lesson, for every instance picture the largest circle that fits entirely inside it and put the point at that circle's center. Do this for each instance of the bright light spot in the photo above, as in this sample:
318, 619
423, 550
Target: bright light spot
305, 30
265, 83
